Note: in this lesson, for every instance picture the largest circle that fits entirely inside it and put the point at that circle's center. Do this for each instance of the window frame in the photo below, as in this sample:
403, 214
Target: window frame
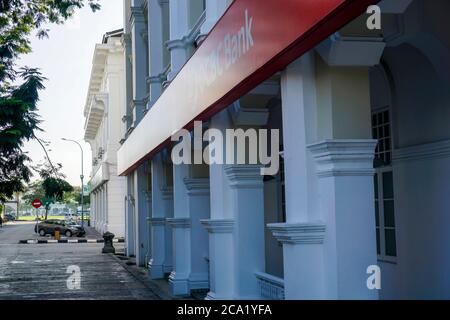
379, 171
382, 227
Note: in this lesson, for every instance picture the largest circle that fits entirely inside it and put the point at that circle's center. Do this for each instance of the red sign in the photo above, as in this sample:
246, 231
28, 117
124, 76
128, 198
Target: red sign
253, 40
36, 203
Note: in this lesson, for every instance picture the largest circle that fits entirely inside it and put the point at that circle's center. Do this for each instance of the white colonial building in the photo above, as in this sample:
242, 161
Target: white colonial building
103, 113
364, 117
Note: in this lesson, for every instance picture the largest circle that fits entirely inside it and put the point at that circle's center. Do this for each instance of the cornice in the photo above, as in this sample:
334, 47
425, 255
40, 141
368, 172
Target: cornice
218, 225
197, 186
434, 150
167, 193
344, 157
181, 223
244, 176
157, 221
298, 233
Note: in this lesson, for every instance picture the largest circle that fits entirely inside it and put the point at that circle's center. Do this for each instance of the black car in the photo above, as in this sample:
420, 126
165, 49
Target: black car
81, 231
8, 217
65, 228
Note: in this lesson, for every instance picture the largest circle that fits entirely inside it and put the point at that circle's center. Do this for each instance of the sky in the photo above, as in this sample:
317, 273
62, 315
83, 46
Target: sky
65, 58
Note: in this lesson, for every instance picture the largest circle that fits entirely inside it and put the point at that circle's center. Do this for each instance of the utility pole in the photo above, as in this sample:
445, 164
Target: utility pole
82, 180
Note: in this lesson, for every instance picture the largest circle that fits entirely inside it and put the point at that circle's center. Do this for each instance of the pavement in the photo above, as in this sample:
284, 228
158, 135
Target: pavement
64, 271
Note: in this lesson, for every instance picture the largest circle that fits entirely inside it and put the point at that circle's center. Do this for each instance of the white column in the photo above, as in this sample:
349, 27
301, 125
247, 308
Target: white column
220, 226
329, 236
92, 201
179, 28
180, 223
140, 188
199, 209
247, 202
138, 31
127, 109
129, 219
214, 10
162, 209
191, 204
105, 197
167, 197
148, 198
100, 196
156, 49
236, 227
303, 233
345, 170
99, 217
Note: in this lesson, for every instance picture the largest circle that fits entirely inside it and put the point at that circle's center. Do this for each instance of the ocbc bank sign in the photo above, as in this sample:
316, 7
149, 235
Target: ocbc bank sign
252, 40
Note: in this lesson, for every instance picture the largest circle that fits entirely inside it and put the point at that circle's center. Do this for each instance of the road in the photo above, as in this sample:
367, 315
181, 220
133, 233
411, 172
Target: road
40, 271
12, 232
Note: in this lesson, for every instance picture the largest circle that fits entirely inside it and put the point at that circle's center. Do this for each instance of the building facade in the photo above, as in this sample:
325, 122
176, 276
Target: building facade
103, 113
361, 195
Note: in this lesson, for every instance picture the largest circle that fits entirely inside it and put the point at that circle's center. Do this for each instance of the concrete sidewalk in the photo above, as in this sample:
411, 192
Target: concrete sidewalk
35, 272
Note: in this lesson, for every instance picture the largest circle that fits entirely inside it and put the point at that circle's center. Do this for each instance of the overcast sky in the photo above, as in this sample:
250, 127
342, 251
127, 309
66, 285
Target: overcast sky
66, 60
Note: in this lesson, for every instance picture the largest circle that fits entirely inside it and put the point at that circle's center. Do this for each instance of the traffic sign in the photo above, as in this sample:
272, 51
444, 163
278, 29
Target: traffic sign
36, 203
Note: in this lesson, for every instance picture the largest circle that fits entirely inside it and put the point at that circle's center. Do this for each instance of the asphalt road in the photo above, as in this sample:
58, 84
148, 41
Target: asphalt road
12, 232
45, 271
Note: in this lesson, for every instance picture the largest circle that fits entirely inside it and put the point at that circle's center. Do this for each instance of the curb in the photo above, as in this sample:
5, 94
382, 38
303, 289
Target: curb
68, 241
149, 284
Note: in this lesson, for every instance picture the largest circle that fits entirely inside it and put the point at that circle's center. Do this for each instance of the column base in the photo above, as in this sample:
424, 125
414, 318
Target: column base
155, 271
213, 296
198, 281
167, 268
179, 286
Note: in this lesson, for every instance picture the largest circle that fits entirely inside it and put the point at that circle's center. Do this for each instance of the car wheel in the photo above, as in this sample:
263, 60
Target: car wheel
68, 233
42, 232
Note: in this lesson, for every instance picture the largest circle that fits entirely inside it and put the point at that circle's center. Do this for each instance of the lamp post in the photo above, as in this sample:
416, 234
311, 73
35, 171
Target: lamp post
82, 178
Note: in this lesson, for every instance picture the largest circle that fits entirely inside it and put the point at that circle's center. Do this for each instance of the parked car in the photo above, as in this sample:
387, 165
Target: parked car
51, 225
81, 231
8, 217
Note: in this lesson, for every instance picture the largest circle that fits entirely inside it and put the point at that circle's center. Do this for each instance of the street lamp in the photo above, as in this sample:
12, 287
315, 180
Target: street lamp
82, 177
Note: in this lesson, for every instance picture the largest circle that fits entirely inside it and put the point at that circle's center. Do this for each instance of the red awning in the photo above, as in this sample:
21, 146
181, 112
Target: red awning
253, 40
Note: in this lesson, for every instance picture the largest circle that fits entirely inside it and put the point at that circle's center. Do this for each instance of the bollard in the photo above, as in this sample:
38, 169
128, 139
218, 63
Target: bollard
108, 247
57, 235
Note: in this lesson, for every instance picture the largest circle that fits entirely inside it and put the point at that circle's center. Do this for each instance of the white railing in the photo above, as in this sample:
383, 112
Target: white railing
271, 287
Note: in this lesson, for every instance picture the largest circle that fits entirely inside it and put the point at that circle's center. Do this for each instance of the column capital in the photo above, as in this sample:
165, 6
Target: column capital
197, 186
182, 43
179, 222
158, 78
218, 225
156, 221
344, 157
244, 175
136, 14
362, 51
298, 233
140, 103
167, 193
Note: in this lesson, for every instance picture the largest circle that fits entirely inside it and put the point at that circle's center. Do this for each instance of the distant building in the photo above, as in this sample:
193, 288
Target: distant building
103, 113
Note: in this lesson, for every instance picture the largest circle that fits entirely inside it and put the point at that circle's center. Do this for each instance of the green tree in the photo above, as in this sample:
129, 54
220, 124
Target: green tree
53, 183
19, 88
34, 190
74, 197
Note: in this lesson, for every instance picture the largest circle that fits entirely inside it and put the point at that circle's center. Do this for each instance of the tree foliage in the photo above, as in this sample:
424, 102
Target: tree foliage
19, 88
52, 188
18, 122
